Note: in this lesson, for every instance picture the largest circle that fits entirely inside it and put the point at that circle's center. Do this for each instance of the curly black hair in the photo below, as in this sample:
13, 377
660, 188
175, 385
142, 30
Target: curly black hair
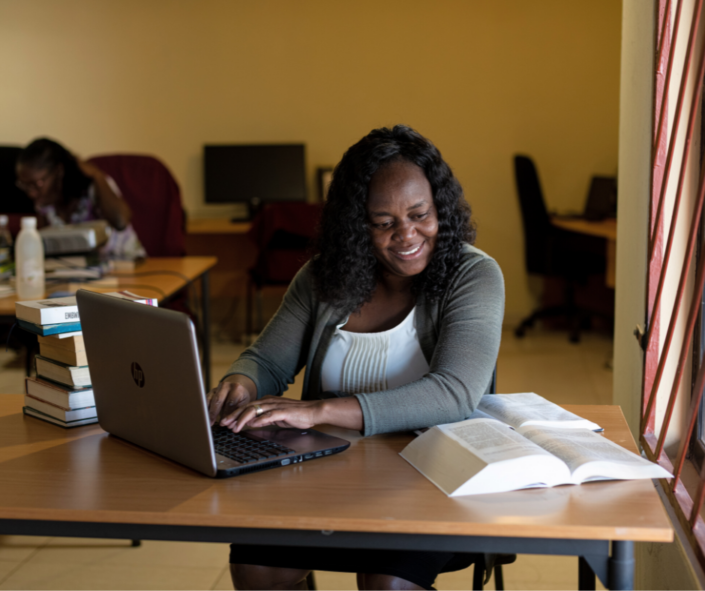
345, 269
46, 154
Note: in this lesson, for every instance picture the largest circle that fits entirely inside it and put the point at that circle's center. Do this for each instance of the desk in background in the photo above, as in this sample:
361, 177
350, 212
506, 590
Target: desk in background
216, 226
169, 276
236, 254
604, 229
84, 483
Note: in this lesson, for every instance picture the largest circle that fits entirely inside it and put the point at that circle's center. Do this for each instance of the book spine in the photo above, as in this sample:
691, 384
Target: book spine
53, 393
49, 329
73, 358
31, 412
58, 412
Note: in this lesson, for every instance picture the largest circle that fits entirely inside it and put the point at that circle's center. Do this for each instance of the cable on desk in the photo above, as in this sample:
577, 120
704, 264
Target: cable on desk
192, 297
129, 286
9, 335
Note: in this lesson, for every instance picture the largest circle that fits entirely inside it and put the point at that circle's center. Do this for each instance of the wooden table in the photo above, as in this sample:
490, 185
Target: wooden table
160, 278
84, 483
604, 229
216, 226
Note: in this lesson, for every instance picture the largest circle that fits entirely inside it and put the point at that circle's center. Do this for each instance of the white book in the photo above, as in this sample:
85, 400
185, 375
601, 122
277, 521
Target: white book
484, 455
62, 310
49, 419
58, 412
74, 377
59, 395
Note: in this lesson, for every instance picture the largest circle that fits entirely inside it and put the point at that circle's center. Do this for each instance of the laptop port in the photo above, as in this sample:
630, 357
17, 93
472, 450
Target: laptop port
308, 456
286, 462
319, 454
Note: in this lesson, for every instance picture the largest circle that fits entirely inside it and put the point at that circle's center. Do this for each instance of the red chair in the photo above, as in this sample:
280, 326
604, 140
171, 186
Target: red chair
282, 233
154, 198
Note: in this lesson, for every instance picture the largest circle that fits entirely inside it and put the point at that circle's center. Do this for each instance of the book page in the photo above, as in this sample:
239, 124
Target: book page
490, 440
482, 456
478, 414
531, 409
591, 456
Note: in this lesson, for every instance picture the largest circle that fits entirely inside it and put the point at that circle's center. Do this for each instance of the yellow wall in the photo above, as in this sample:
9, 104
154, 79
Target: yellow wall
482, 79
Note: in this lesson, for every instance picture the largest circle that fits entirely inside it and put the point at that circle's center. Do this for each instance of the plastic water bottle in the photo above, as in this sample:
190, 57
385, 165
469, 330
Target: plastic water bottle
29, 261
5, 243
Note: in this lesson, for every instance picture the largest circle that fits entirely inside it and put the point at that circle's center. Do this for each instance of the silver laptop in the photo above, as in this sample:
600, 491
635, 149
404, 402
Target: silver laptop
148, 388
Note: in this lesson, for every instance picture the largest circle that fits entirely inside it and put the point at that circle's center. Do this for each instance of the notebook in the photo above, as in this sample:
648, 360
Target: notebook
148, 390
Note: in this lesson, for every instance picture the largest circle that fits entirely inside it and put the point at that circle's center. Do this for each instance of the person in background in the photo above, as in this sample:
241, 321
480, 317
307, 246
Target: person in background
67, 190
397, 319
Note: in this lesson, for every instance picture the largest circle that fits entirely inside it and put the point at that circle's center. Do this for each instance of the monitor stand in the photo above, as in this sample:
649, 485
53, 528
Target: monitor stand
254, 204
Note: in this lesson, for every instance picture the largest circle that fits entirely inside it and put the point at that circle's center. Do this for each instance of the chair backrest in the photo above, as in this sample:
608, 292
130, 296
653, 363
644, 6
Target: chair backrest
155, 200
283, 233
534, 215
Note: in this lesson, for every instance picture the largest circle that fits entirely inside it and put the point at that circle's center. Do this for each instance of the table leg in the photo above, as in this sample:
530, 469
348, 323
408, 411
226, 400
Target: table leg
611, 271
206, 329
586, 576
621, 566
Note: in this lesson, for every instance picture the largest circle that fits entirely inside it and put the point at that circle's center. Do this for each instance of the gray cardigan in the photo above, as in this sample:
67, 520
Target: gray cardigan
459, 336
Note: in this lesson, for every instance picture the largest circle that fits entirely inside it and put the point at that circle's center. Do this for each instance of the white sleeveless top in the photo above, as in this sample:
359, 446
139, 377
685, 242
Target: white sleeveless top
370, 362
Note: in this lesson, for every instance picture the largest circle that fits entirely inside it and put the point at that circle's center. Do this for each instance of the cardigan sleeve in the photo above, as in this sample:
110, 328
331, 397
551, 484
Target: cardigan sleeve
470, 326
279, 353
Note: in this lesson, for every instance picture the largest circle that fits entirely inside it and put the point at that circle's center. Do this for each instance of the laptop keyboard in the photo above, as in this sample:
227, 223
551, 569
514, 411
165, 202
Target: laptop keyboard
244, 448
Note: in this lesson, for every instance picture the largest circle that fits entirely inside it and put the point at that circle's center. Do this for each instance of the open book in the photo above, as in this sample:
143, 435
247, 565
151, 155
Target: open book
485, 455
523, 410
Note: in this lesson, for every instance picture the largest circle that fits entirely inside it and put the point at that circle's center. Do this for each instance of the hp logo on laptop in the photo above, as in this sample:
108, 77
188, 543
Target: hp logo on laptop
138, 375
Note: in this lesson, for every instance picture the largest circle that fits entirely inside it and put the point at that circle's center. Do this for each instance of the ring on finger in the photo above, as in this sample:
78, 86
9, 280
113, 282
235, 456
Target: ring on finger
258, 410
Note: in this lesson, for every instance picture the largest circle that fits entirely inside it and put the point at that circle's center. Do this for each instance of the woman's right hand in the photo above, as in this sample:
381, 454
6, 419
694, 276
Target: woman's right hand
232, 393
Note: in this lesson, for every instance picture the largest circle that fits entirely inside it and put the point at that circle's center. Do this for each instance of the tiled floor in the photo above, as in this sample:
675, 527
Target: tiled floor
542, 362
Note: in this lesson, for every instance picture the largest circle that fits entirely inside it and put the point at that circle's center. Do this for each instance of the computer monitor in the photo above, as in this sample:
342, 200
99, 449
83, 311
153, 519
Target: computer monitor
254, 174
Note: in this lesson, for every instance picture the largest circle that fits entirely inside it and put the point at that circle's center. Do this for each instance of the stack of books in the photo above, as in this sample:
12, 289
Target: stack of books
61, 393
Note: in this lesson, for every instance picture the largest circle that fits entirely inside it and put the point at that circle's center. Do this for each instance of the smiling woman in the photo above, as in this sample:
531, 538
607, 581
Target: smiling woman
397, 319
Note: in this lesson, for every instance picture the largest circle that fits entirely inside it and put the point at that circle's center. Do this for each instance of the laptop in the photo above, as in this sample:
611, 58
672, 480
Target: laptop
148, 389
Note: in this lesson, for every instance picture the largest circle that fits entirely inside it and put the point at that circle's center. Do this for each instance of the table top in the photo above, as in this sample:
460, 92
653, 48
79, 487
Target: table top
603, 228
85, 475
155, 278
216, 226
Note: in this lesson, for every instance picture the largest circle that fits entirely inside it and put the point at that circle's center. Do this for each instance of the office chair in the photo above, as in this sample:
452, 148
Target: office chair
550, 251
154, 197
491, 563
282, 233
488, 564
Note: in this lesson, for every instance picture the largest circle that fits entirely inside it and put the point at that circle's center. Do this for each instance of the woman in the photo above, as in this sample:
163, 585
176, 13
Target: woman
397, 320
66, 190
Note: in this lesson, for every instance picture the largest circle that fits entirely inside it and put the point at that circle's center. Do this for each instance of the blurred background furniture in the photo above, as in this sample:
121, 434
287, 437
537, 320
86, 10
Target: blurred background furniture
283, 234
13, 201
153, 195
606, 229
554, 252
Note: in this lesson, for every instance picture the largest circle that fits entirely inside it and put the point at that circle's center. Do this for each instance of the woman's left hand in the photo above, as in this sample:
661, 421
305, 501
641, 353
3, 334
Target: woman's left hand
274, 410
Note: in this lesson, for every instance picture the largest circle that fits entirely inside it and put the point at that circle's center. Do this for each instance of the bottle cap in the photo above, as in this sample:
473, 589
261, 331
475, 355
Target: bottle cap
3, 220
29, 223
